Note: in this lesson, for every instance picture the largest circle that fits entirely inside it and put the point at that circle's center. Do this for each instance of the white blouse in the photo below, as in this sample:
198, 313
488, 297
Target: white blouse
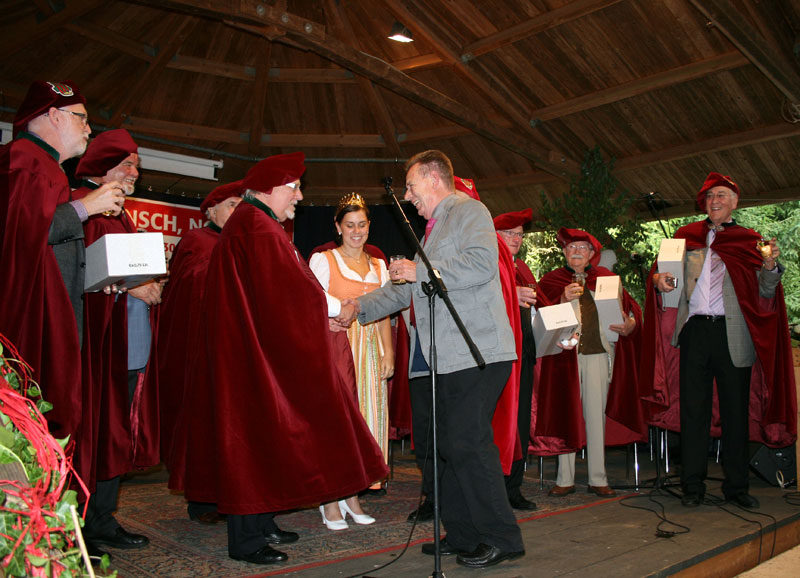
319, 265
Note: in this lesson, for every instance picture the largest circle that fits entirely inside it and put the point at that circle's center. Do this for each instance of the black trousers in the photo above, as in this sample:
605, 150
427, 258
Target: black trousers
704, 357
420, 397
246, 532
475, 506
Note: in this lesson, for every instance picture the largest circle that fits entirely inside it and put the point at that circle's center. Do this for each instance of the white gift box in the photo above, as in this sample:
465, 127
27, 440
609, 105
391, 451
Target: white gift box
608, 299
551, 325
124, 259
670, 260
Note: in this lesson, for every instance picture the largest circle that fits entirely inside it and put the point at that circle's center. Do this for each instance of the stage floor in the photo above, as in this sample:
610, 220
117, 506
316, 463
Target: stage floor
577, 536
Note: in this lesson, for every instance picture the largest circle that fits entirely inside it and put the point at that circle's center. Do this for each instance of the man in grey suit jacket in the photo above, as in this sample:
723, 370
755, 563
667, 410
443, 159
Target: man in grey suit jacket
722, 267
461, 244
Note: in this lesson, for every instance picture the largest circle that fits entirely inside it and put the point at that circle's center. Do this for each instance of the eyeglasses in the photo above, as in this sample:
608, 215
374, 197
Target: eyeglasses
512, 234
582, 248
712, 196
292, 186
82, 116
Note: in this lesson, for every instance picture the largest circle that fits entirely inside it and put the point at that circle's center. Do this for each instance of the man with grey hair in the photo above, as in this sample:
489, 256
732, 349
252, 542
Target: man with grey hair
461, 245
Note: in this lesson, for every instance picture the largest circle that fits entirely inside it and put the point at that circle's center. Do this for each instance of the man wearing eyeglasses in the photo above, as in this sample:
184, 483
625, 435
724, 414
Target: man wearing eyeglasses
731, 317
510, 228
597, 383
41, 243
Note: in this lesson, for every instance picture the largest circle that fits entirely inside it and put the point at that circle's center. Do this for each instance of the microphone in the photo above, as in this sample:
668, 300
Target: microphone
387, 184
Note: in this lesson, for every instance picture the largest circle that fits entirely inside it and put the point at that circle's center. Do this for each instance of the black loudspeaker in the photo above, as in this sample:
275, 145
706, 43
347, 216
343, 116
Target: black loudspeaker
768, 462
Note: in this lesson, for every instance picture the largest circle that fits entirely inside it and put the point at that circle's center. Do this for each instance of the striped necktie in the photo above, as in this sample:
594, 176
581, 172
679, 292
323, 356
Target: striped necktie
716, 273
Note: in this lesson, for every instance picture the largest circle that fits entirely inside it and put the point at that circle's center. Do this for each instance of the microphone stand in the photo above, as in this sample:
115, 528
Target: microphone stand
435, 286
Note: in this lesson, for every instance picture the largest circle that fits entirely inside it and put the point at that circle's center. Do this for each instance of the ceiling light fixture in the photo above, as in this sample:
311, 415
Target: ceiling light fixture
400, 33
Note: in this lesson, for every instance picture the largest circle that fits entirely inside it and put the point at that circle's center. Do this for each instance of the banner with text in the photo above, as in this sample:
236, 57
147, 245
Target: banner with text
171, 219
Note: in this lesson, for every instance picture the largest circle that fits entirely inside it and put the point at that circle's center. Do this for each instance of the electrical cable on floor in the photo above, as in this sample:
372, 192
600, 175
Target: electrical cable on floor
720, 502
368, 573
792, 498
662, 516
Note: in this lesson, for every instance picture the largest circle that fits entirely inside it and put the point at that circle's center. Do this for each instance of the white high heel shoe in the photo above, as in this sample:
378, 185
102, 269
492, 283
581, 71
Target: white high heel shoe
333, 524
362, 519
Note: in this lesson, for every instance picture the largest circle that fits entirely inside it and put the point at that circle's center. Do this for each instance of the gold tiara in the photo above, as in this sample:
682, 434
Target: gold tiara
351, 199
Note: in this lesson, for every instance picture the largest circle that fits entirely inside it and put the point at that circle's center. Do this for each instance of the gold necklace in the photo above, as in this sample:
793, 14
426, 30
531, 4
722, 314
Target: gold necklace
358, 261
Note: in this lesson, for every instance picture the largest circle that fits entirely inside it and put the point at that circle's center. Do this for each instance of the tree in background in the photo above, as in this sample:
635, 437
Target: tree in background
597, 204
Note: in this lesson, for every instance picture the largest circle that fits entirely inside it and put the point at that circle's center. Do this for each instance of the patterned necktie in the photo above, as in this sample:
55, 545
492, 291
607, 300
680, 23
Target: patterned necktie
717, 272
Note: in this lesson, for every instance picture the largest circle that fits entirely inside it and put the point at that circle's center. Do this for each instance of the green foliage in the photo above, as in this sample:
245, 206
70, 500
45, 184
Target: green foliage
597, 204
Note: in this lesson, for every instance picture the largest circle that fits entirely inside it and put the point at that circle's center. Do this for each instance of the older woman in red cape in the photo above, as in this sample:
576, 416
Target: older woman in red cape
561, 409
282, 426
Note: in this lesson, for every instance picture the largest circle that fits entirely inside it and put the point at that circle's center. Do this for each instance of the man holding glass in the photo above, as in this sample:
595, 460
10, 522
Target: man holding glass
582, 384
731, 315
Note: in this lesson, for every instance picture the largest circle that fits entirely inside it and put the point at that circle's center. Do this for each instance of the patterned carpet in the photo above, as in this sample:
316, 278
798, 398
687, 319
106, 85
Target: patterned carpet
180, 548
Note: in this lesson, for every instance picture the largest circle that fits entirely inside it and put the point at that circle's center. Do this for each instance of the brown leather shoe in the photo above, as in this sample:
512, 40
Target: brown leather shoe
561, 491
602, 491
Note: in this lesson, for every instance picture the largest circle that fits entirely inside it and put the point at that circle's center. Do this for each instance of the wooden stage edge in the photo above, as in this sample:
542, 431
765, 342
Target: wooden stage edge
741, 554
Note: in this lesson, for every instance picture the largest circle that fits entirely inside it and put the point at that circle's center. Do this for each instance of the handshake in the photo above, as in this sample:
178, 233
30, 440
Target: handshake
348, 314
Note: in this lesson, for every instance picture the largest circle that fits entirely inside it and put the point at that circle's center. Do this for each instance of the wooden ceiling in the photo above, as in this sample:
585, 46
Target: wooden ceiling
514, 91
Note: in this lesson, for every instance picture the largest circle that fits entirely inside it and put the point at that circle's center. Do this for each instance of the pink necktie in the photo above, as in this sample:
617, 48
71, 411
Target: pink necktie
715, 287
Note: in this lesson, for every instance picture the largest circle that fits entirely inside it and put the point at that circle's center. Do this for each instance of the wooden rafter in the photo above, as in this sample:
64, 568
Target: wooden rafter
749, 41
639, 86
541, 23
177, 37
23, 37
263, 51
313, 36
341, 27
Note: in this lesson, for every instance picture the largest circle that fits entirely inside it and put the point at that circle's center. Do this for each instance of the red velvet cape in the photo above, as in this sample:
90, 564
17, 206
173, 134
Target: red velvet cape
179, 343
281, 426
109, 423
35, 310
773, 403
558, 395
504, 422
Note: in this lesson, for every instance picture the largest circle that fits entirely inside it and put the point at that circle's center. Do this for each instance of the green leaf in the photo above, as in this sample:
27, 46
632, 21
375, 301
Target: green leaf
7, 438
43, 406
36, 560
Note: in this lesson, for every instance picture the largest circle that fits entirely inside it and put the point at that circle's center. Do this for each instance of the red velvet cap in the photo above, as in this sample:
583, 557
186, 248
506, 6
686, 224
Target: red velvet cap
715, 180
510, 220
43, 95
222, 192
466, 186
566, 236
106, 151
275, 171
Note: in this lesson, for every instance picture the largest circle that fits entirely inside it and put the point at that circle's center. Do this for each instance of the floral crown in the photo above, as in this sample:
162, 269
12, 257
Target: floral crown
351, 199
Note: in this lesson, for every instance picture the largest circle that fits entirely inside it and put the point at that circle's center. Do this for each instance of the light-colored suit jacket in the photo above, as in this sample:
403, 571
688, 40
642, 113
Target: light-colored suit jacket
740, 344
463, 248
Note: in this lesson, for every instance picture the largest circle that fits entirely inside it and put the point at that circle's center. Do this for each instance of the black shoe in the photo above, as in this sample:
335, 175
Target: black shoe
120, 538
445, 549
264, 555
485, 555
692, 500
423, 514
281, 537
370, 492
745, 501
96, 552
519, 502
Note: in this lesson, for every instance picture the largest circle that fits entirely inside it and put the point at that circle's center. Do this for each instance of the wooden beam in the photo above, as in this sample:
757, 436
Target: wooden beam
312, 75
323, 140
778, 69
639, 86
177, 36
313, 36
263, 51
536, 25
111, 38
25, 36
418, 62
341, 27
438, 133
712, 145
